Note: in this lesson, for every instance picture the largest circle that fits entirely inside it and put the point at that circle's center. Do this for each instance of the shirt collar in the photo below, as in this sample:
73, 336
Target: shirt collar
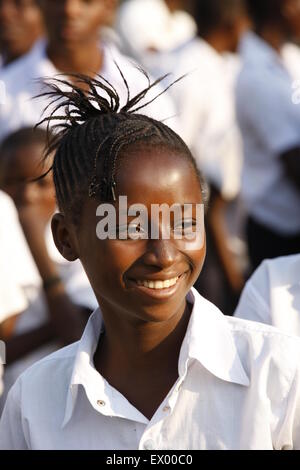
254, 49
208, 340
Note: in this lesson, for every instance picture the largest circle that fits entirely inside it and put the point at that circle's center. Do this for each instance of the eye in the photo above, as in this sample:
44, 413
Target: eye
185, 227
131, 232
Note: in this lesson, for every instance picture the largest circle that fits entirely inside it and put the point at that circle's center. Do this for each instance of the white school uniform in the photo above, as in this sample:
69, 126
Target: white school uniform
272, 295
270, 125
205, 105
12, 254
23, 82
238, 388
290, 54
12, 298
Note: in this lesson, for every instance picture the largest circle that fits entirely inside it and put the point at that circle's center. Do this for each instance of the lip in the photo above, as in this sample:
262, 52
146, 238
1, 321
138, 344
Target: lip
159, 294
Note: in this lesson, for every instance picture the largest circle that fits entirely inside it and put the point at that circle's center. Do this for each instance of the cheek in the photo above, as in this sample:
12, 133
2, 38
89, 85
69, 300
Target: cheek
95, 18
107, 262
197, 258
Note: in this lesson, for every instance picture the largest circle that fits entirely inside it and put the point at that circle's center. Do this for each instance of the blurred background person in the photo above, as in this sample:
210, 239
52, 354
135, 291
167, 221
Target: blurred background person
155, 32
272, 295
12, 298
21, 26
205, 103
270, 126
73, 44
57, 293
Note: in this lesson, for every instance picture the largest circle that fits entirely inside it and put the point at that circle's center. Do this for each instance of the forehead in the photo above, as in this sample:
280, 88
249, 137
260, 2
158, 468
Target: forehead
22, 160
158, 175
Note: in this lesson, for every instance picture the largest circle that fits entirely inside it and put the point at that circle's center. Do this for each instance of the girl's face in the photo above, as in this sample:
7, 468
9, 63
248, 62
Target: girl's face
21, 166
119, 269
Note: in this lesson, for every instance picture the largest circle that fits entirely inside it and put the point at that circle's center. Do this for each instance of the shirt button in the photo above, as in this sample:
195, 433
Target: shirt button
149, 445
100, 402
166, 408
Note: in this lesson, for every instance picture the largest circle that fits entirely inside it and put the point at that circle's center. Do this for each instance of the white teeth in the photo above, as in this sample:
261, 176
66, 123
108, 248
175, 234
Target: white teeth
158, 284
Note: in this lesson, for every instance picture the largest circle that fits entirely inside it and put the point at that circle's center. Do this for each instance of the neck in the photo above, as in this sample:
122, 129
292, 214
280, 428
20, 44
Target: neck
131, 349
274, 37
217, 41
84, 58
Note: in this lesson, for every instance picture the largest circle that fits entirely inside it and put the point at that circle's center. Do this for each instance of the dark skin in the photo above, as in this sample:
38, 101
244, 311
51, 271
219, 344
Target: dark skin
20, 26
144, 330
35, 203
73, 33
225, 37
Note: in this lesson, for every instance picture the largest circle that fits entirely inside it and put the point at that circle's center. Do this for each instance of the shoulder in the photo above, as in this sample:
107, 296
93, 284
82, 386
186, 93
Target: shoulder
272, 295
12, 71
283, 270
49, 376
265, 340
275, 273
266, 353
17, 75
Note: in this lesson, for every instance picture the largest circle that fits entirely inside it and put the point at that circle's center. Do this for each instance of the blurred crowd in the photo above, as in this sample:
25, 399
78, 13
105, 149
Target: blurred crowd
232, 68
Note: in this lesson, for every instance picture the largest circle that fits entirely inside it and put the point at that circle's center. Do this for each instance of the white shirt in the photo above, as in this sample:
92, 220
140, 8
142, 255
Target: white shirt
272, 295
290, 54
270, 125
205, 103
23, 82
238, 388
12, 298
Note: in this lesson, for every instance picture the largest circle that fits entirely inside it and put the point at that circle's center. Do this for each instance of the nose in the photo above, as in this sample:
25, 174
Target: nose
161, 254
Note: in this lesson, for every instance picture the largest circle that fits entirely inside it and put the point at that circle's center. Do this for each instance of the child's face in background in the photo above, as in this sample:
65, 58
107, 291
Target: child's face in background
20, 26
75, 21
20, 166
115, 267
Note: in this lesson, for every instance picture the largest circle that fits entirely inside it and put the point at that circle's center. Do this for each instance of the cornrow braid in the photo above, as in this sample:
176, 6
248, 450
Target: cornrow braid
94, 132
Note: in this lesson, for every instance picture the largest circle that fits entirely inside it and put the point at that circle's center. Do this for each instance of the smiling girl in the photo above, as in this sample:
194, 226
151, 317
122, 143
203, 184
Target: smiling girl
158, 366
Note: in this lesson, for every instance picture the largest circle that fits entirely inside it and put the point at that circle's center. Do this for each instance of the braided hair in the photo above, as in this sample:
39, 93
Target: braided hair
94, 133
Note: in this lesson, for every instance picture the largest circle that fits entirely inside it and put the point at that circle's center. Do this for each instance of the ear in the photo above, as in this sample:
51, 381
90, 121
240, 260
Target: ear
64, 237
